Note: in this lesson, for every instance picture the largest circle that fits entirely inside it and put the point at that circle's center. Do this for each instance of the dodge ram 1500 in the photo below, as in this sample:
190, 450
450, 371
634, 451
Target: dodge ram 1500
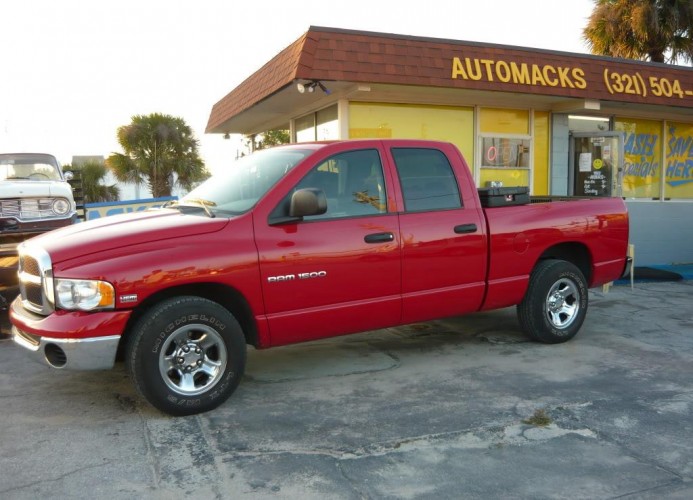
302, 242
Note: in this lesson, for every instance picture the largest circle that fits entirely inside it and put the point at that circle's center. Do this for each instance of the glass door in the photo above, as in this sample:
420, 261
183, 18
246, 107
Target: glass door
596, 164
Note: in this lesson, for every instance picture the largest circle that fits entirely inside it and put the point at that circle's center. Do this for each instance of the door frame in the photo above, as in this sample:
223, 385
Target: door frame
621, 136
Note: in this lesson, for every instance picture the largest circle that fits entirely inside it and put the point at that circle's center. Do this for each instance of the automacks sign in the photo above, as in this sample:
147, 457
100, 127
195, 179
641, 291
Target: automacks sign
545, 75
595, 78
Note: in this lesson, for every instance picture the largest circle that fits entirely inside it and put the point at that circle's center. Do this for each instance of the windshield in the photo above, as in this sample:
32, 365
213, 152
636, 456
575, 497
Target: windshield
29, 167
238, 188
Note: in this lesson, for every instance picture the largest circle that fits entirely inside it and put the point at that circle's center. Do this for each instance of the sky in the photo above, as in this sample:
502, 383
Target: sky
74, 71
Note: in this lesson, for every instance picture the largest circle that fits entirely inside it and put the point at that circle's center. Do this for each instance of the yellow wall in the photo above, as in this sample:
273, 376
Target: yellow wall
456, 125
410, 121
542, 131
509, 177
504, 121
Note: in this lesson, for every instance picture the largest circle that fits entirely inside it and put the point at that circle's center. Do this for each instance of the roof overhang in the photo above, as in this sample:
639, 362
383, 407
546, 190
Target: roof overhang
381, 67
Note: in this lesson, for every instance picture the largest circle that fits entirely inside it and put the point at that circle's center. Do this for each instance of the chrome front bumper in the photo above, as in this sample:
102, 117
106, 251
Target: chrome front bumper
97, 353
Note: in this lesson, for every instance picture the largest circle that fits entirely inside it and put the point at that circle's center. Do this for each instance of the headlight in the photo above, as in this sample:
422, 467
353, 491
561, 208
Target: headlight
61, 206
85, 295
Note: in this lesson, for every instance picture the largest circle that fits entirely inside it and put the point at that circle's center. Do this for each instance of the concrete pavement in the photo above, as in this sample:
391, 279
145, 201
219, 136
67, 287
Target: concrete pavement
445, 409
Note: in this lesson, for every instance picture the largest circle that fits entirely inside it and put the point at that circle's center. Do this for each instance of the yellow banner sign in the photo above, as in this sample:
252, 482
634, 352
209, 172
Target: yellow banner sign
616, 83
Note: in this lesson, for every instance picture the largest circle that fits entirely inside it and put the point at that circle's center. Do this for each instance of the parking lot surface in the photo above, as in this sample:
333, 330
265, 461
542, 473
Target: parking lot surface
458, 408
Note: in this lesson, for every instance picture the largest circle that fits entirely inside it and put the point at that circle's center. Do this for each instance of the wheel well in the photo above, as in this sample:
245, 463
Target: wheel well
226, 296
576, 253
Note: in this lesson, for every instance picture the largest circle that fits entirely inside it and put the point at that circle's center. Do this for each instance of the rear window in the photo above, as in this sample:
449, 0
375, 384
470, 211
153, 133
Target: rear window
427, 179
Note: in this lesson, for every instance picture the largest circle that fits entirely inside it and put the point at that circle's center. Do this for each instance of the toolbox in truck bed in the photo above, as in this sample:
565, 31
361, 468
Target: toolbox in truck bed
503, 196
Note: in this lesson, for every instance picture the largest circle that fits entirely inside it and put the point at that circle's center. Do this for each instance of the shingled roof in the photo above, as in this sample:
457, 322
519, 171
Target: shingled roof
339, 55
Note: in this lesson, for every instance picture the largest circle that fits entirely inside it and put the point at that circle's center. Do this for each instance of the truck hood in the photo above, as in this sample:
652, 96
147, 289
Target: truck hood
120, 231
34, 189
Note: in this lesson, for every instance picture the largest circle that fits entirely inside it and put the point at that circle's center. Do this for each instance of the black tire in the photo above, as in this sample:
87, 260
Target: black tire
186, 355
555, 304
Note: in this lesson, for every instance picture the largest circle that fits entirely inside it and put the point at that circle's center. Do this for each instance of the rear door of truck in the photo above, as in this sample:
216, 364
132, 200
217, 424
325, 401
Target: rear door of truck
442, 229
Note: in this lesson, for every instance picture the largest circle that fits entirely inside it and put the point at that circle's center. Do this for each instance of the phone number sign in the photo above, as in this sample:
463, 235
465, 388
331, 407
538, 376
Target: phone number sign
635, 84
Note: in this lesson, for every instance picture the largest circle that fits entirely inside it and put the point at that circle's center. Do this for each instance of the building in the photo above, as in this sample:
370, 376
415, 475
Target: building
560, 123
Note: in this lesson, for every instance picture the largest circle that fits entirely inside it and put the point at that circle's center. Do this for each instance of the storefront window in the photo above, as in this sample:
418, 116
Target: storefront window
505, 147
499, 152
442, 123
678, 173
320, 126
305, 128
327, 124
642, 153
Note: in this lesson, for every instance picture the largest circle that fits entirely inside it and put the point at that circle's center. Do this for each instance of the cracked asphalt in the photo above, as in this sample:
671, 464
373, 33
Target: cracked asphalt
444, 409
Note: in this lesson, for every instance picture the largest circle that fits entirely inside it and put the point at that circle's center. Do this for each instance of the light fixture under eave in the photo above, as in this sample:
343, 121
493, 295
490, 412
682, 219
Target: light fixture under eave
323, 88
310, 87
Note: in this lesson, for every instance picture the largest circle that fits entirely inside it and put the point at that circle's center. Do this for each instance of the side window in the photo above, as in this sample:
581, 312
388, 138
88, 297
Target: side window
427, 180
353, 184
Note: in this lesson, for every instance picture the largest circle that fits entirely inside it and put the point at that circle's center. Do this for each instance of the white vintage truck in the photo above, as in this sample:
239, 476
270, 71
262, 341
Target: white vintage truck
35, 197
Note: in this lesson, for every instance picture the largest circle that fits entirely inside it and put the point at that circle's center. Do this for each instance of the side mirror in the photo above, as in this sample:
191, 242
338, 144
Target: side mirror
68, 175
308, 201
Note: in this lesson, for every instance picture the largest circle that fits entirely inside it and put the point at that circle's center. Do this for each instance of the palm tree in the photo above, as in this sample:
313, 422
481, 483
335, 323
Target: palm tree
642, 29
92, 175
160, 151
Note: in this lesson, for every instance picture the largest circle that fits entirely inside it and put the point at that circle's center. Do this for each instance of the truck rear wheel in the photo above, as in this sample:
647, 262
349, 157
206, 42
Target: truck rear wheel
186, 355
555, 304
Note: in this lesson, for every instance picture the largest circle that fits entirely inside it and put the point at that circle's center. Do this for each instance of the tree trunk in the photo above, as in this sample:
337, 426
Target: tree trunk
160, 187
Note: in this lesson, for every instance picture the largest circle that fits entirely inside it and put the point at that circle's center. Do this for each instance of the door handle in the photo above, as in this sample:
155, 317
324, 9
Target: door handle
379, 238
465, 228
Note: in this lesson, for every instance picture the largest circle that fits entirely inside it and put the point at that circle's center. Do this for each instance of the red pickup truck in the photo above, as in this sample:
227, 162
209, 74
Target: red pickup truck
303, 242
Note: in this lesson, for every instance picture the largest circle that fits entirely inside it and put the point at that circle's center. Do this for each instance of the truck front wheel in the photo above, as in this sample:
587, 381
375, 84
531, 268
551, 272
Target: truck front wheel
555, 304
186, 355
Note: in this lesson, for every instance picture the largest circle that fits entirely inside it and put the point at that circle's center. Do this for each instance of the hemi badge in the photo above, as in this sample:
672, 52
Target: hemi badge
128, 298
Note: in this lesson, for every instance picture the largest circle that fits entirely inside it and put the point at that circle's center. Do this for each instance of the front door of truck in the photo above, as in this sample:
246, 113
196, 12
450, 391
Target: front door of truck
338, 272
444, 255
596, 163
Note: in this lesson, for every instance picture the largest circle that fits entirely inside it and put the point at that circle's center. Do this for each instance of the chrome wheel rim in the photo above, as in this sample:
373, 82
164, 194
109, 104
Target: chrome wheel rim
562, 303
193, 359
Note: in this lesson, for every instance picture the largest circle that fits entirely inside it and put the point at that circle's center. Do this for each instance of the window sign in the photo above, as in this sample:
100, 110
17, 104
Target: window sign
645, 147
678, 173
585, 162
500, 152
642, 157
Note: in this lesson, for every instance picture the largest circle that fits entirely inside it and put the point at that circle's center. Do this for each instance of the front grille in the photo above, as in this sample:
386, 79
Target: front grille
31, 265
28, 209
34, 294
35, 279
